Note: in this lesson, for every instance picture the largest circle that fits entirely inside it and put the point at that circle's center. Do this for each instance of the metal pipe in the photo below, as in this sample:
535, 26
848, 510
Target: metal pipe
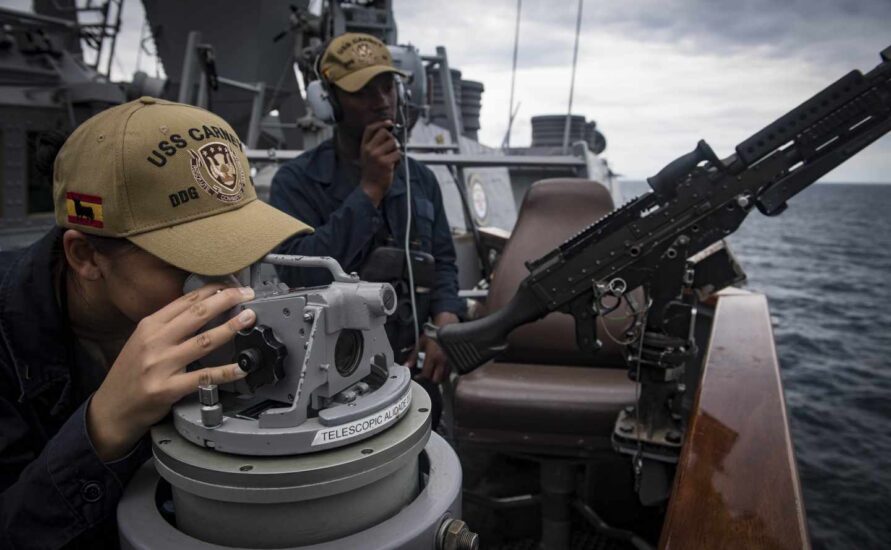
238, 84
203, 100
466, 161
114, 38
253, 135
448, 97
188, 72
447, 159
8, 14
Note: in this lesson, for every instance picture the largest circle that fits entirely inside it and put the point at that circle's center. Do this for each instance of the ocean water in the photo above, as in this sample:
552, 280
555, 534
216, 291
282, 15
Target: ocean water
825, 266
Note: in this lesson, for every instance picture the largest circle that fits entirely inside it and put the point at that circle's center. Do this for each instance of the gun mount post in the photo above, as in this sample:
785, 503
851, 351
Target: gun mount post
653, 428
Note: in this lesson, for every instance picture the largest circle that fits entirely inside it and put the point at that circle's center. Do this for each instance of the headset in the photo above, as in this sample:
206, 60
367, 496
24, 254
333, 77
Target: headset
319, 96
323, 102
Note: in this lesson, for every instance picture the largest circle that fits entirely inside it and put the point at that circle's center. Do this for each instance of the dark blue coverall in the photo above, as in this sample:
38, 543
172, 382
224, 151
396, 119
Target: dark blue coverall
54, 490
317, 190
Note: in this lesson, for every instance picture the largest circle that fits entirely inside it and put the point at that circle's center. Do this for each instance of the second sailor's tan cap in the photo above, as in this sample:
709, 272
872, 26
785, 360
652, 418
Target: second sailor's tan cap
171, 178
352, 59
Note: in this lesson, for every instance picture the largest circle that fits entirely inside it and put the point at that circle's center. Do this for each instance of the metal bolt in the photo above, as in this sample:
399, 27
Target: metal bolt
742, 201
455, 535
211, 415
308, 317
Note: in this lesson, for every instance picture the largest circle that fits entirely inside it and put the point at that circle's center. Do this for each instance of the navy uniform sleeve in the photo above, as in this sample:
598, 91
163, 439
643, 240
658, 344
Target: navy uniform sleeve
344, 235
50, 499
444, 296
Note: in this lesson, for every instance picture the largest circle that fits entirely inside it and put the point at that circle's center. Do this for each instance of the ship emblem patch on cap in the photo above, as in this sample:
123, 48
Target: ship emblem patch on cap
84, 209
225, 174
362, 51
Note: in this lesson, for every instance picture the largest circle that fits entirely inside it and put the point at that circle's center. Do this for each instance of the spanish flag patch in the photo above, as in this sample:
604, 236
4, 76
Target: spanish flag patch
84, 209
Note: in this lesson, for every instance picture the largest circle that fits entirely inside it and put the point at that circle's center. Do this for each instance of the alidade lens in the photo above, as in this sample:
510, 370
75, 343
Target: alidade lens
348, 351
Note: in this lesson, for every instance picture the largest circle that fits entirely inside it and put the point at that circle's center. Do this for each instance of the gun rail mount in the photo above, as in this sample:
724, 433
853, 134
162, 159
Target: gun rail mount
696, 201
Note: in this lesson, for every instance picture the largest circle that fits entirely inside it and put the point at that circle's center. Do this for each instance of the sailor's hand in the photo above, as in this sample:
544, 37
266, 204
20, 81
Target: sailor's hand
149, 375
436, 364
379, 154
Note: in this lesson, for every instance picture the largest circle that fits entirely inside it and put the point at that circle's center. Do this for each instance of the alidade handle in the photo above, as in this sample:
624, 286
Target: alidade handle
326, 262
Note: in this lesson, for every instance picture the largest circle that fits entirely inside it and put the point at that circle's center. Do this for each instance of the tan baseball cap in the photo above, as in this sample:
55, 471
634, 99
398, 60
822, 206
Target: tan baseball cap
352, 59
171, 178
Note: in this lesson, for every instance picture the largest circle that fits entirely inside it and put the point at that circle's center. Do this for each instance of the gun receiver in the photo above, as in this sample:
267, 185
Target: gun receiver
695, 201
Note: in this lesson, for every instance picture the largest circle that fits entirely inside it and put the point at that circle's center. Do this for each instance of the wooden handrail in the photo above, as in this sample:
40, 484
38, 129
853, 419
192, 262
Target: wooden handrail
737, 481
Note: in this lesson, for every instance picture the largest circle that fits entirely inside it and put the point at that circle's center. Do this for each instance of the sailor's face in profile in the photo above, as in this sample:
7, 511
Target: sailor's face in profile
373, 102
137, 283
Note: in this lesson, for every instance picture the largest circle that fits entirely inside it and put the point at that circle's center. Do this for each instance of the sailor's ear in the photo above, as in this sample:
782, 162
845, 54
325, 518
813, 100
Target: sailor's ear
80, 255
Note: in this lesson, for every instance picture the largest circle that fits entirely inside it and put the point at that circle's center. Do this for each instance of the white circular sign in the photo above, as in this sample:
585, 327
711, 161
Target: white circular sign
479, 200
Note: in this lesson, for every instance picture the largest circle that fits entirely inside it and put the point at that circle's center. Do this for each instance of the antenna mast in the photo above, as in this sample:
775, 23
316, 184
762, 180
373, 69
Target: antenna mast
513, 78
575, 57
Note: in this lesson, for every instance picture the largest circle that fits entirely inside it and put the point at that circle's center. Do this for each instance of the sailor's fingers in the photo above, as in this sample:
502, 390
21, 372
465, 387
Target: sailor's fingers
429, 367
199, 312
183, 384
392, 158
381, 137
440, 369
412, 359
386, 147
372, 132
200, 345
174, 308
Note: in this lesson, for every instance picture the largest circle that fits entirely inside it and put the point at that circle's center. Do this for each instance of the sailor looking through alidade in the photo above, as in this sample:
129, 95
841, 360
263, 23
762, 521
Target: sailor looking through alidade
96, 332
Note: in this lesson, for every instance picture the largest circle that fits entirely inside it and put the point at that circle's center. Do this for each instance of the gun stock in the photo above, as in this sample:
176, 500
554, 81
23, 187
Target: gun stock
469, 345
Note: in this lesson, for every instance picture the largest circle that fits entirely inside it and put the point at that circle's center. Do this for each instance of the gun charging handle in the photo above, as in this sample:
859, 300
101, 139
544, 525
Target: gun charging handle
664, 183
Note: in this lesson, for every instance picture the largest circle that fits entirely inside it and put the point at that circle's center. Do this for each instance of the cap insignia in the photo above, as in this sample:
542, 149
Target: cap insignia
225, 174
84, 209
363, 51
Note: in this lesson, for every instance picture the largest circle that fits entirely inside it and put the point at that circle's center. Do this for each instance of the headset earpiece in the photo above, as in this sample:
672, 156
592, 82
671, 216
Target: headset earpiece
319, 95
320, 100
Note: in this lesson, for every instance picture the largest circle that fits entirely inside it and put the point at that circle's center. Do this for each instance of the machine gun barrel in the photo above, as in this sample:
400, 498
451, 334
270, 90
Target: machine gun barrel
696, 201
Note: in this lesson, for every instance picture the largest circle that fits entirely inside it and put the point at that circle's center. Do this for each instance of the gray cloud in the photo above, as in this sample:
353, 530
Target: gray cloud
656, 74
826, 32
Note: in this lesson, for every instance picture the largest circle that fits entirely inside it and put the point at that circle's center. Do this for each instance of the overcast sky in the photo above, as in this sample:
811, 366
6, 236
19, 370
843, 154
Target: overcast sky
656, 75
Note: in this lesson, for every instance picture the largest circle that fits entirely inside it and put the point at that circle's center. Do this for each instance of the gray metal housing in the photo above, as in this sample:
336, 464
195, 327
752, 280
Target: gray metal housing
393, 490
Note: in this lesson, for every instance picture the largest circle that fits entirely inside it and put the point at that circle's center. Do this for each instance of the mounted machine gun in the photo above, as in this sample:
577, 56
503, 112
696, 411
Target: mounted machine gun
651, 242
